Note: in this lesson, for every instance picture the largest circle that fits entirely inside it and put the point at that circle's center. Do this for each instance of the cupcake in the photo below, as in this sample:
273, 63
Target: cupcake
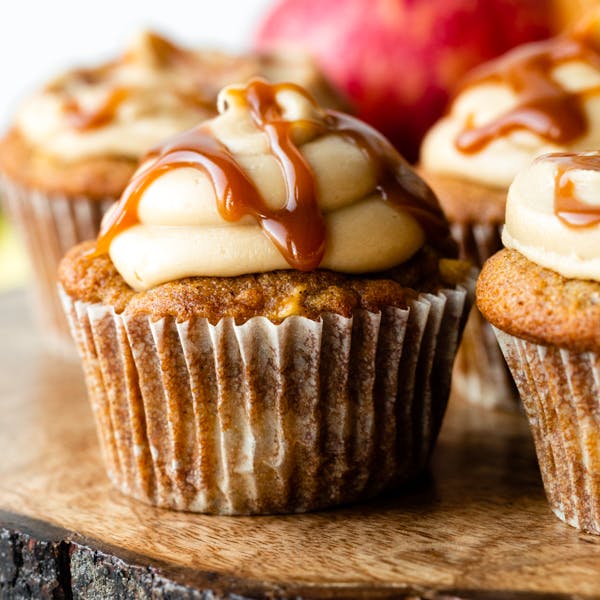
539, 98
269, 317
75, 144
542, 295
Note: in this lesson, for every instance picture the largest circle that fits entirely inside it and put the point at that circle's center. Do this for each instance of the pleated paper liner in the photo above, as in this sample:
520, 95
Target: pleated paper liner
51, 224
560, 391
480, 373
268, 418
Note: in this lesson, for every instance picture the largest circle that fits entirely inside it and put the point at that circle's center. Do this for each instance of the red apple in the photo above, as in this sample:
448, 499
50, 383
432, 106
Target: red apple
397, 60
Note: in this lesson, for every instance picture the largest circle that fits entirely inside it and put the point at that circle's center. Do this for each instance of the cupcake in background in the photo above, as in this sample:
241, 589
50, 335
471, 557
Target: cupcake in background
542, 295
269, 317
74, 145
541, 97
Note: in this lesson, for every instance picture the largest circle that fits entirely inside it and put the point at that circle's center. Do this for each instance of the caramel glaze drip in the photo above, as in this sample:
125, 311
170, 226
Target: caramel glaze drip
104, 114
567, 207
298, 229
166, 55
543, 106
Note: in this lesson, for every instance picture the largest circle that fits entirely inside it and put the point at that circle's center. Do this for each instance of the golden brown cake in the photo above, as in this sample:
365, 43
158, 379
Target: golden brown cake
274, 295
542, 295
538, 98
75, 144
528, 301
269, 317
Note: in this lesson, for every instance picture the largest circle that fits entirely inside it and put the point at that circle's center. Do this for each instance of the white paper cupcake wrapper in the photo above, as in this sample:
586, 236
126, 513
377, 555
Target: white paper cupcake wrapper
265, 418
560, 391
51, 224
480, 374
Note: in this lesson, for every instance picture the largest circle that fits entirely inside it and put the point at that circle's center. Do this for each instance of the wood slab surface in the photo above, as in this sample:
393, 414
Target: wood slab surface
476, 526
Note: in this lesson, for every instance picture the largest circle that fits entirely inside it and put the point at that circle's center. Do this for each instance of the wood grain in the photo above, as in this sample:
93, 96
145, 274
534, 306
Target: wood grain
477, 526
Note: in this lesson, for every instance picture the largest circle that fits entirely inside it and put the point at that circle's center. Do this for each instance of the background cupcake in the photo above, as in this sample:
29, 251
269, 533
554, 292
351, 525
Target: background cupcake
542, 294
274, 325
75, 144
538, 98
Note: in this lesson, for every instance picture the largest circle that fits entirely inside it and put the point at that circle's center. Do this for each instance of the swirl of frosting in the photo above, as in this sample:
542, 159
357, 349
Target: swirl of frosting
273, 182
538, 98
553, 214
154, 90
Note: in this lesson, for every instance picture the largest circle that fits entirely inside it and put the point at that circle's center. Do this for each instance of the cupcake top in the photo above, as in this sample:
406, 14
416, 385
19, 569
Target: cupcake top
86, 131
128, 105
274, 182
553, 214
538, 98
545, 286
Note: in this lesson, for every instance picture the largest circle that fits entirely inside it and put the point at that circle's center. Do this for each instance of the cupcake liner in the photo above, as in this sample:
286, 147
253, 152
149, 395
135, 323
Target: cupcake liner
477, 241
50, 224
560, 391
480, 374
263, 417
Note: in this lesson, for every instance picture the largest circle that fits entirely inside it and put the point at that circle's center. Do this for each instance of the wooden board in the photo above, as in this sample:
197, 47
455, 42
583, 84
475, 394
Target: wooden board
477, 526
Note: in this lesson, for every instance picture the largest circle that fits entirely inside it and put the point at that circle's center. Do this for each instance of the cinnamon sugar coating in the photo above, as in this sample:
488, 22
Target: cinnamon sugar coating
528, 301
275, 295
95, 178
467, 201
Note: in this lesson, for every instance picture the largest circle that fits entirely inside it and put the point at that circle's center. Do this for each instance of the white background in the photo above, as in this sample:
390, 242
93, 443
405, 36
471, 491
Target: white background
39, 38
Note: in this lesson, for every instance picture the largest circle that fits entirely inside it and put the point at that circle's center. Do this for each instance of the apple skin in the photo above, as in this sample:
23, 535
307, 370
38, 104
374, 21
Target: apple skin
398, 60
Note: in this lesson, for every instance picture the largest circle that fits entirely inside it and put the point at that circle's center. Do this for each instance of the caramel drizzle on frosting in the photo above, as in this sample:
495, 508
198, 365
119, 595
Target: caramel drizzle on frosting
567, 207
165, 54
104, 114
543, 106
298, 229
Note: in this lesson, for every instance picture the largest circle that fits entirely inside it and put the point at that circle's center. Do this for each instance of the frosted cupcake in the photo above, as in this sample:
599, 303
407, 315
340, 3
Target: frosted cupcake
542, 294
269, 317
75, 144
539, 98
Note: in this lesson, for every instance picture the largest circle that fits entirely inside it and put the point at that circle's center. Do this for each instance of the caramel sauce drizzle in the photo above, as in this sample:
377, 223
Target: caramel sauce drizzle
105, 114
398, 184
298, 229
85, 120
567, 207
543, 106
165, 53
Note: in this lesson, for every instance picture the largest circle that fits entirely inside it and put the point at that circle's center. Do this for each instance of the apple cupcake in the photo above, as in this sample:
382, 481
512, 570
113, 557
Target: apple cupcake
75, 144
541, 97
269, 317
542, 295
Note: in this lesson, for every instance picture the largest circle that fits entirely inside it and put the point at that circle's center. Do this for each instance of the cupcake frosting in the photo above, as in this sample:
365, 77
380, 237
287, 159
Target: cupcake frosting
273, 182
553, 214
153, 90
539, 98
